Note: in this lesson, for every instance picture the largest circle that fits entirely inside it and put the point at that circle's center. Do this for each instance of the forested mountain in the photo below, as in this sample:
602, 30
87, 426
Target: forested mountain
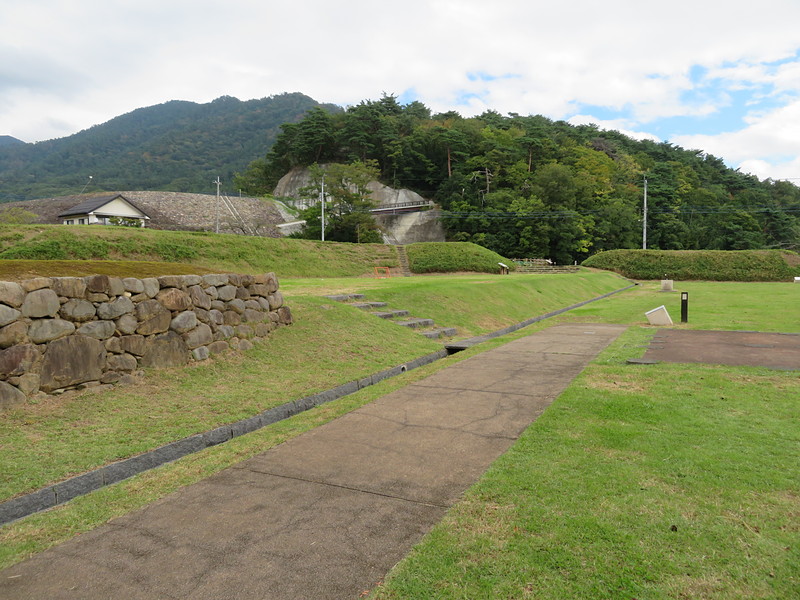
531, 187
176, 146
7, 140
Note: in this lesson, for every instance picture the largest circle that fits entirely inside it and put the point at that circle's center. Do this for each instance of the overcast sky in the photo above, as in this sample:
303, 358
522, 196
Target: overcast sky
719, 76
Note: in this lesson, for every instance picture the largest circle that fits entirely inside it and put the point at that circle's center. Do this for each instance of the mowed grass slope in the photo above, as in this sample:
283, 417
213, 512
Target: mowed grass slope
473, 303
209, 251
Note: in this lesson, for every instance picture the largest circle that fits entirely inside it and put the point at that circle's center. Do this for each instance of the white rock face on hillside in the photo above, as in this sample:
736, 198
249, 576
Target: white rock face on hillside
400, 228
290, 185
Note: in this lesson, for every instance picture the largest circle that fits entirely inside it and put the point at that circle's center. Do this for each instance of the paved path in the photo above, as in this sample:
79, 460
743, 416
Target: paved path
738, 348
327, 514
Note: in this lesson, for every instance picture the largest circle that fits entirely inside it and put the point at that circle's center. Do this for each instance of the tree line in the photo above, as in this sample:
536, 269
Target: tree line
528, 186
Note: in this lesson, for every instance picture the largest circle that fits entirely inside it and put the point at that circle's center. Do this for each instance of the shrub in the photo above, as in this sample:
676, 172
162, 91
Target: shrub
704, 265
38, 250
450, 257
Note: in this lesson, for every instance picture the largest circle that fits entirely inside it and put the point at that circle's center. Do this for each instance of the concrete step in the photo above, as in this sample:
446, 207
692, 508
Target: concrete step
426, 324
416, 323
369, 305
441, 332
391, 314
345, 297
402, 258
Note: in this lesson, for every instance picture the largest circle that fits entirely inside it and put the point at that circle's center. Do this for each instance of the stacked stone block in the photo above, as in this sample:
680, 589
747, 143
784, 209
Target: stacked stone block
60, 333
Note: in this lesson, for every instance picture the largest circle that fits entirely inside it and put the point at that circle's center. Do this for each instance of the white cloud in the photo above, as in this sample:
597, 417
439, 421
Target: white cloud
65, 66
769, 146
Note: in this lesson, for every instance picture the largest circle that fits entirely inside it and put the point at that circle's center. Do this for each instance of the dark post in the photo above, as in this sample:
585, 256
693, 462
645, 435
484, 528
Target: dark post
684, 307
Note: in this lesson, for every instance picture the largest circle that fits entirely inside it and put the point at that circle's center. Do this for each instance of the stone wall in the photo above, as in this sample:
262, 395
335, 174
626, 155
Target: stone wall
62, 333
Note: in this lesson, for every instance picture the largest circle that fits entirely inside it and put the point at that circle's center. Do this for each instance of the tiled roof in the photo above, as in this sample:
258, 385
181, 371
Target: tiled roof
93, 204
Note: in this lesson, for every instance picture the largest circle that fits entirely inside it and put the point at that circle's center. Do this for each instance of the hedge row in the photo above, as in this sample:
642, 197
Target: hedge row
703, 265
451, 257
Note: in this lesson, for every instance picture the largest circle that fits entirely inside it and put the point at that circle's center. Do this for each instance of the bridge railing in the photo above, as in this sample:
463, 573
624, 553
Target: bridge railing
404, 206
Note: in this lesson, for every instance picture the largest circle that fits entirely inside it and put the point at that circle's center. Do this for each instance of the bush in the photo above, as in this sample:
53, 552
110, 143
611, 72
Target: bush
17, 216
450, 257
702, 265
38, 250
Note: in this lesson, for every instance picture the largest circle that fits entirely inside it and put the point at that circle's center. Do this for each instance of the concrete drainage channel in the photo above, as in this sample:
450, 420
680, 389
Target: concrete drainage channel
59, 493
66, 490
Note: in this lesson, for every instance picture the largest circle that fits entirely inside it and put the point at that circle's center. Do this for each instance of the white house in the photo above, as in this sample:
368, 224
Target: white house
101, 211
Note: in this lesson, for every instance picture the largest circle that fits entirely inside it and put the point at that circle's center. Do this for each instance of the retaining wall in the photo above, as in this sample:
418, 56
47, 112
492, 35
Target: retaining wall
62, 333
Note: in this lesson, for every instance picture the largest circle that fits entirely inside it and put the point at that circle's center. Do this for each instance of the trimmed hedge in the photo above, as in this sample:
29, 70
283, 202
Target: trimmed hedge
451, 257
703, 265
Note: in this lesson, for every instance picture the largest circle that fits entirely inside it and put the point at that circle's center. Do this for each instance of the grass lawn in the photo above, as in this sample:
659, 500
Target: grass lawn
712, 305
208, 251
664, 481
17, 270
472, 303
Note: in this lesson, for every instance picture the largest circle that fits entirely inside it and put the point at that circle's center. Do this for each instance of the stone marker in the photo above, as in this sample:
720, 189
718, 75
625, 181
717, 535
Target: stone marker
659, 316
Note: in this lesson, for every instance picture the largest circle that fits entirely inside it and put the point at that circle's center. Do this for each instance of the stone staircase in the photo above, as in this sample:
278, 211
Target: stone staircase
540, 265
403, 318
551, 269
402, 258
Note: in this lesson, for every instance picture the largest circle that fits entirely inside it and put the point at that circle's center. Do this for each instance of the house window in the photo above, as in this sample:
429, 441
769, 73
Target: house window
70, 221
81, 221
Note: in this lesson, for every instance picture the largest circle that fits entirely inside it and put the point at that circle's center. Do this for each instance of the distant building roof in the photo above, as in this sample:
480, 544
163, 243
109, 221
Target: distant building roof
94, 205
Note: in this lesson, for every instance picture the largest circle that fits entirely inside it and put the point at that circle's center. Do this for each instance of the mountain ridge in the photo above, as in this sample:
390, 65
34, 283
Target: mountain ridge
174, 146
8, 140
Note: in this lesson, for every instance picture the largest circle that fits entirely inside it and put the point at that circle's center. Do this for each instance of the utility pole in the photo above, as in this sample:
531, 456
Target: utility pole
322, 200
216, 206
644, 217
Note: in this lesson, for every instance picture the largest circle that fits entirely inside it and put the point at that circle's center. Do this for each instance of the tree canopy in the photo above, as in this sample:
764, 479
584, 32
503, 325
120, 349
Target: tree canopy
533, 187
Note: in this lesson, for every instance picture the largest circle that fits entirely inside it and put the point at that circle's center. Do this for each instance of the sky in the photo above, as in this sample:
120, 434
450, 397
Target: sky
722, 77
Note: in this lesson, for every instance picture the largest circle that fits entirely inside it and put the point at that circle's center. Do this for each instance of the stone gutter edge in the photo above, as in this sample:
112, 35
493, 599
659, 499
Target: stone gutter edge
468, 343
63, 491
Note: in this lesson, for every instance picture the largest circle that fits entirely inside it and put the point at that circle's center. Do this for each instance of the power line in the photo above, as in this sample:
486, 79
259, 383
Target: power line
568, 214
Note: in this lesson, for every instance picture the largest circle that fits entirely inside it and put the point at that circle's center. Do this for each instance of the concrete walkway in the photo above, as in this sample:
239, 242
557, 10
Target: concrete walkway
327, 514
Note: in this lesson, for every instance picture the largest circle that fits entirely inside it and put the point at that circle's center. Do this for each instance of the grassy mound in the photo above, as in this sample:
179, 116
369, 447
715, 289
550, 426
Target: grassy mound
700, 265
451, 257
218, 252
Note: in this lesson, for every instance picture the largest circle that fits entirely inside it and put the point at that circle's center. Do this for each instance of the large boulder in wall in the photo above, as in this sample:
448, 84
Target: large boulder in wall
72, 360
165, 350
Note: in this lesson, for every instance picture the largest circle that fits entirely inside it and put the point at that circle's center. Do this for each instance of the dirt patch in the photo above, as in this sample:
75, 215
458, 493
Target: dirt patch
793, 260
737, 348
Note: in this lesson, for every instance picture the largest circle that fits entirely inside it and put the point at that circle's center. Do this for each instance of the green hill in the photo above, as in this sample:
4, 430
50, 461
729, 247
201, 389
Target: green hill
175, 146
